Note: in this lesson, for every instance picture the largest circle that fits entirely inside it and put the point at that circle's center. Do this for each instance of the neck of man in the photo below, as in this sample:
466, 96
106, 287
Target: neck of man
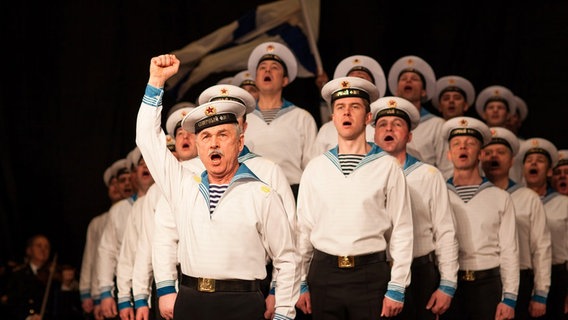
400, 156
501, 182
539, 188
269, 101
353, 146
467, 177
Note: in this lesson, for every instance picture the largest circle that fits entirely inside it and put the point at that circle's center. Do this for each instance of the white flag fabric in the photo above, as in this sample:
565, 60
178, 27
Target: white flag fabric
228, 48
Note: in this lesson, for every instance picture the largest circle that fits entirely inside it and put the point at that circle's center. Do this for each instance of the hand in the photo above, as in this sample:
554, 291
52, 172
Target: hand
162, 68
504, 312
87, 305
537, 309
439, 302
143, 313
391, 308
108, 307
270, 302
127, 314
166, 304
305, 303
98, 312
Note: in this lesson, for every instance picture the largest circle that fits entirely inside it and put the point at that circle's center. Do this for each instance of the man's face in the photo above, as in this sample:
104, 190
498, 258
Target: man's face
124, 185
350, 117
560, 179
464, 152
496, 160
114, 193
38, 251
452, 104
392, 134
143, 175
218, 148
411, 87
185, 145
270, 76
496, 113
536, 169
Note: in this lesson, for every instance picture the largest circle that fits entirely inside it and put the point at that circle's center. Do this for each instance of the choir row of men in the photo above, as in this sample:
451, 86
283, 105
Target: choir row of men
386, 211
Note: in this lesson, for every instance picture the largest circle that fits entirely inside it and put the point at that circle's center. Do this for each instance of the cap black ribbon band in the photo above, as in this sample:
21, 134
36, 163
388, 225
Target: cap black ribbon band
539, 151
215, 120
350, 92
497, 140
453, 89
415, 71
276, 58
122, 171
395, 113
228, 98
177, 126
247, 82
562, 162
466, 132
361, 68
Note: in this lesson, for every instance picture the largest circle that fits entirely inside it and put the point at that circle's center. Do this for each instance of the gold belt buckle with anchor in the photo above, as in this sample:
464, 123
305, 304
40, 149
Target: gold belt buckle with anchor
205, 285
469, 275
345, 262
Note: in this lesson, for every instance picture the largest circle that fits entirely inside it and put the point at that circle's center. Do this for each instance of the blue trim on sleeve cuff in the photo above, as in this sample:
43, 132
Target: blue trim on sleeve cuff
510, 302
395, 295
85, 296
124, 305
165, 290
304, 287
539, 299
153, 96
97, 302
106, 294
140, 303
278, 316
447, 290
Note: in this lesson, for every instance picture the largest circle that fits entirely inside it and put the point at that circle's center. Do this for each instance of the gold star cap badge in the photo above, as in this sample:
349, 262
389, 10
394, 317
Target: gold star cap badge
210, 110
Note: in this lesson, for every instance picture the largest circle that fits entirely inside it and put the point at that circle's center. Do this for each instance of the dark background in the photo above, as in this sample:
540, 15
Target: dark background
74, 75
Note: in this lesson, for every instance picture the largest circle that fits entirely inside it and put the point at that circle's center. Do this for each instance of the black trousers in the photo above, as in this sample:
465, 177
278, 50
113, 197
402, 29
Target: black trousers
425, 280
557, 293
475, 300
341, 294
195, 305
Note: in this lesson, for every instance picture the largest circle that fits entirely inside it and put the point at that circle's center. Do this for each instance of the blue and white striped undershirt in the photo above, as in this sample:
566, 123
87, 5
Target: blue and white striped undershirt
269, 115
349, 162
467, 192
215, 193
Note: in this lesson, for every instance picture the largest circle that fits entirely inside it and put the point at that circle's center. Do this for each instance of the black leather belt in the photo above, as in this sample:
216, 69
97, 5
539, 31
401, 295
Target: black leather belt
350, 261
418, 261
561, 267
213, 285
473, 275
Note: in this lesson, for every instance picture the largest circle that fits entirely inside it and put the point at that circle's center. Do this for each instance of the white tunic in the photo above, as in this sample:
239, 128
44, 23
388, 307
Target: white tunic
326, 138
556, 208
288, 140
248, 224
429, 145
432, 218
349, 215
534, 236
88, 280
486, 231
128, 248
111, 241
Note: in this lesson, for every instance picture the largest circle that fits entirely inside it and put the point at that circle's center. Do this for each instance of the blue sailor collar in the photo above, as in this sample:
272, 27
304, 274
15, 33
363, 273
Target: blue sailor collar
410, 164
484, 182
425, 114
242, 173
375, 153
513, 186
246, 154
549, 195
285, 104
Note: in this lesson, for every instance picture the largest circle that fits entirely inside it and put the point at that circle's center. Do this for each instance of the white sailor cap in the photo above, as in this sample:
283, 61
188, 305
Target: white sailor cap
454, 83
495, 93
116, 168
542, 146
398, 107
522, 107
467, 126
417, 65
277, 52
230, 92
212, 114
243, 78
345, 87
366, 64
175, 115
500, 135
226, 80
133, 158
562, 158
